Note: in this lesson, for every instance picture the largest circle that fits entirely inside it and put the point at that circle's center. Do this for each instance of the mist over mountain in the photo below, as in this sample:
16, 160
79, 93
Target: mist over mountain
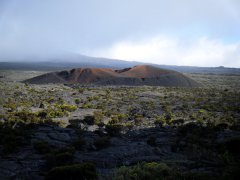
203, 33
71, 60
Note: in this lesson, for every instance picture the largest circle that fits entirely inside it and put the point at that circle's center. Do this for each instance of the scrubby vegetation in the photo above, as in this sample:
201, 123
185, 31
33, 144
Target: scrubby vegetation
143, 171
181, 133
159, 171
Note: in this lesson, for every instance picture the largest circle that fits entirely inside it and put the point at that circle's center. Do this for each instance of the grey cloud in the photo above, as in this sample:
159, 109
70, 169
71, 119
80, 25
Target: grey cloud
48, 26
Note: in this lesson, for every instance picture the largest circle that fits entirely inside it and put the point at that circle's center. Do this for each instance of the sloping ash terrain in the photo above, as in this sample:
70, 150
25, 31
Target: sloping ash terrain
71, 131
137, 75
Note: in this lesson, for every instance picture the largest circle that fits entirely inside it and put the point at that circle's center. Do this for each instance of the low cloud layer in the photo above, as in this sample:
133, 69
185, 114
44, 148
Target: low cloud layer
160, 49
182, 32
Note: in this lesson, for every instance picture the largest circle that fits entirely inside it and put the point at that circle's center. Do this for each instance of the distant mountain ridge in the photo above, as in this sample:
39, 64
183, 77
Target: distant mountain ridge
137, 75
70, 62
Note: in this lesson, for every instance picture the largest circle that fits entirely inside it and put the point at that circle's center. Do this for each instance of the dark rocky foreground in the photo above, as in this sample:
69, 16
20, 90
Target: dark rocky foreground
191, 149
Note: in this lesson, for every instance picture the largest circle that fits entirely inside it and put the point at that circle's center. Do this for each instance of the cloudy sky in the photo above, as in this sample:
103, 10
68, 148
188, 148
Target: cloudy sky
179, 32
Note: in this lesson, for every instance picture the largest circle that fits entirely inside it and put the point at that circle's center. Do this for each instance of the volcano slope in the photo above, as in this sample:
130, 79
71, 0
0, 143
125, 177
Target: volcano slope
137, 75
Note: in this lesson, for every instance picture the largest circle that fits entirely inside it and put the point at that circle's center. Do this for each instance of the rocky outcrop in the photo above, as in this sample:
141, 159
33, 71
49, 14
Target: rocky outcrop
144, 145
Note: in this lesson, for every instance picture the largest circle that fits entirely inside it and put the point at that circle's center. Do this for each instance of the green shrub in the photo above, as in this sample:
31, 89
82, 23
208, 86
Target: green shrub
55, 114
122, 117
138, 119
169, 117
157, 171
87, 106
128, 126
144, 171
26, 116
11, 106
84, 171
50, 113
68, 107
50, 100
159, 121
114, 120
98, 116
77, 101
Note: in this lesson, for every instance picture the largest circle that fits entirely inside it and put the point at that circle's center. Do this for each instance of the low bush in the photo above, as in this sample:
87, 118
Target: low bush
98, 116
159, 121
87, 105
68, 107
157, 171
77, 101
26, 116
144, 171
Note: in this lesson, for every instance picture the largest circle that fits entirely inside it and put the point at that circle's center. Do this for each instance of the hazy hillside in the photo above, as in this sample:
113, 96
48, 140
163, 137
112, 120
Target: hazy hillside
137, 75
77, 61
